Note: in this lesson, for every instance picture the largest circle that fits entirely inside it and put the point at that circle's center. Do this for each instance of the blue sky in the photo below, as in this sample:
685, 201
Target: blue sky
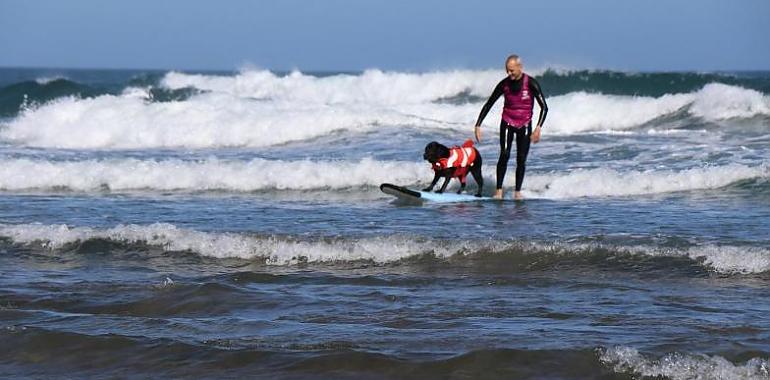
390, 34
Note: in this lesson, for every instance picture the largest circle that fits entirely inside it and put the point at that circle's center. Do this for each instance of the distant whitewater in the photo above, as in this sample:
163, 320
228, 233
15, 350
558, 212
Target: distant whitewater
258, 109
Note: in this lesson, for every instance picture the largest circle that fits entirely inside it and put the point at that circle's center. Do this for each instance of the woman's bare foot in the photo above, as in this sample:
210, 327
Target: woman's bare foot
517, 196
498, 194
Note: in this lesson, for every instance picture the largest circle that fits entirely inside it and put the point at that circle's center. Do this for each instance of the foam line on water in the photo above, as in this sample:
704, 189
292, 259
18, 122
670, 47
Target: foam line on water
288, 250
681, 366
611, 182
261, 174
213, 174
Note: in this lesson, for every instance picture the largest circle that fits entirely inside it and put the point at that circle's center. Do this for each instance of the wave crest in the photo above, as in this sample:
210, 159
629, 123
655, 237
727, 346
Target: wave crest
683, 366
609, 182
259, 108
287, 250
254, 175
261, 174
371, 86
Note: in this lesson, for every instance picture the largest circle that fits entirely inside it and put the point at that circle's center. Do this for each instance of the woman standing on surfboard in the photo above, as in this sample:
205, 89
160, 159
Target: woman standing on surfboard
518, 90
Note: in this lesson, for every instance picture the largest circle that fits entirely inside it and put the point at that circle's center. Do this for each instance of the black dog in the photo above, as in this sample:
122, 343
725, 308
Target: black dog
454, 162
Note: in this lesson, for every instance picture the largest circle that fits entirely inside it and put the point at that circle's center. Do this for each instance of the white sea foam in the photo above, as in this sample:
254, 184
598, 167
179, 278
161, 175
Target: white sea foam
258, 108
610, 182
718, 101
253, 175
129, 121
580, 111
272, 249
728, 259
46, 80
717, 258
371, 86
288, 250
593, 112
262, 174
678, 366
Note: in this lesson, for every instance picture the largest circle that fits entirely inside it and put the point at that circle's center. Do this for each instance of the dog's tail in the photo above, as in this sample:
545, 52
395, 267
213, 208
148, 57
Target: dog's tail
468, 143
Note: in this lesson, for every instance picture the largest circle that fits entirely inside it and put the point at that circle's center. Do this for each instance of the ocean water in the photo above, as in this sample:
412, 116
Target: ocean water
229, 224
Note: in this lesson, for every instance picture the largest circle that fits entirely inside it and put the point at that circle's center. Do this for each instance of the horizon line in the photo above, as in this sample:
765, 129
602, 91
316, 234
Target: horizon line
547, 67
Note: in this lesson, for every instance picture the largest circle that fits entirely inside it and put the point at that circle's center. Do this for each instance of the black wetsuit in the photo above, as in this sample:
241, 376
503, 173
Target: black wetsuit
507, 131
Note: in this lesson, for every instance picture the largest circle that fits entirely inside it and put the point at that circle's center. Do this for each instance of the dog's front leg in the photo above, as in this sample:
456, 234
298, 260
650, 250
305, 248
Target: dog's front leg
446, 182
476, 171
436, 176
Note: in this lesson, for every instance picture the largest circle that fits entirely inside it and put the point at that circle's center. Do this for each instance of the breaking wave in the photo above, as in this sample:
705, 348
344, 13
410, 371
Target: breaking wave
261, 174
287, 250
259, 108
682, 366
609, 182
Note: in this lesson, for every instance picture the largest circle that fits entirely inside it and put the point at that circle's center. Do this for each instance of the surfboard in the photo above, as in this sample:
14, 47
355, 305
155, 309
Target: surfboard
407, 194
